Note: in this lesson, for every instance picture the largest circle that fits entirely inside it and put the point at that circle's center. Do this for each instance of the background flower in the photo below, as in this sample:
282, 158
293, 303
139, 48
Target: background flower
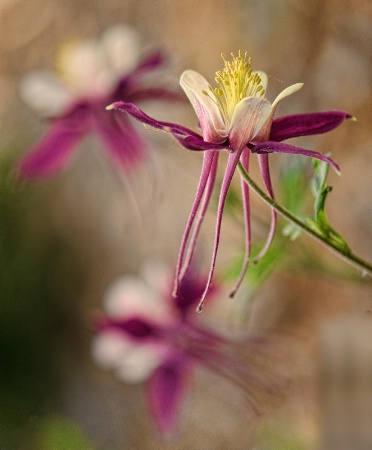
145, 336
90, 75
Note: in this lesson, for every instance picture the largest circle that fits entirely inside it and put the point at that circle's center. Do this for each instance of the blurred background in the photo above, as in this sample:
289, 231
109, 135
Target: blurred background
65, 239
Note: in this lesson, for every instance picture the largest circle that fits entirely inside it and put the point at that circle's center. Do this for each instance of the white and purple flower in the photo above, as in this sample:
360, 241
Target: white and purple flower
238, 118
90, 75
147, 335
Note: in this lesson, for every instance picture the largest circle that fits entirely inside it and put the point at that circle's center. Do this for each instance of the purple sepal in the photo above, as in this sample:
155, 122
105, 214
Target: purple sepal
53, 151
122, 142
129, 81
198, 143
132, 89
281, 147
296, 125
166, 390
138, 114
150, 62
186, 137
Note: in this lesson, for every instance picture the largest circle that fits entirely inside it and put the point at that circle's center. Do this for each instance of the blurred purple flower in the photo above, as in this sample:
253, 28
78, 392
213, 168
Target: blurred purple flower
238, 118
93, 74
148, 335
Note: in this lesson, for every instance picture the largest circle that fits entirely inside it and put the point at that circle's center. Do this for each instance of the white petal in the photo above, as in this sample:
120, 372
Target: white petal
120, 47
108, 348
131, 362
81, 66
249, 116
139, 363
264, 133
43, 92
211, 122
158, 276
130, 296
287, 91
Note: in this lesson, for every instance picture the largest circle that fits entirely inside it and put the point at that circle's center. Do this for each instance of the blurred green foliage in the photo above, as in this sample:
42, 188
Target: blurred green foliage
258, 273
59, 433
34, 312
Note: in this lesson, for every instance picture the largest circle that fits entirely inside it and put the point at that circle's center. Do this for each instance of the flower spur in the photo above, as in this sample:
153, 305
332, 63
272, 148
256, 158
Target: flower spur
238, 118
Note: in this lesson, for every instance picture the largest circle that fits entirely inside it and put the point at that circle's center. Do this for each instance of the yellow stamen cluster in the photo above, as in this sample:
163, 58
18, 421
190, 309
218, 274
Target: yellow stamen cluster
63, 63
236, 81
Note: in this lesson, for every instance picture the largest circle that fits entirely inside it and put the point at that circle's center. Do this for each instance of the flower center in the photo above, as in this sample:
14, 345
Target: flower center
236, 81
80, 66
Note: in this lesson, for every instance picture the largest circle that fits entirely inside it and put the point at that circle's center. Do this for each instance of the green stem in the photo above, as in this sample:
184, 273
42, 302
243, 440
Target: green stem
347, 256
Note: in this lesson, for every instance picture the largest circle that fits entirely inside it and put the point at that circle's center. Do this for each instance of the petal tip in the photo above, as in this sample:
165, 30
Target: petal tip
110, 107
296, 87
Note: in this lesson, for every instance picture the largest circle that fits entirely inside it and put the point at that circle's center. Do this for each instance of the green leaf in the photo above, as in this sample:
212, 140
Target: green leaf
320, 223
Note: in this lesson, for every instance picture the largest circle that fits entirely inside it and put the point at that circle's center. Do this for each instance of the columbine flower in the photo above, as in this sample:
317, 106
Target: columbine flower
148, 335
238, 118
92, 74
